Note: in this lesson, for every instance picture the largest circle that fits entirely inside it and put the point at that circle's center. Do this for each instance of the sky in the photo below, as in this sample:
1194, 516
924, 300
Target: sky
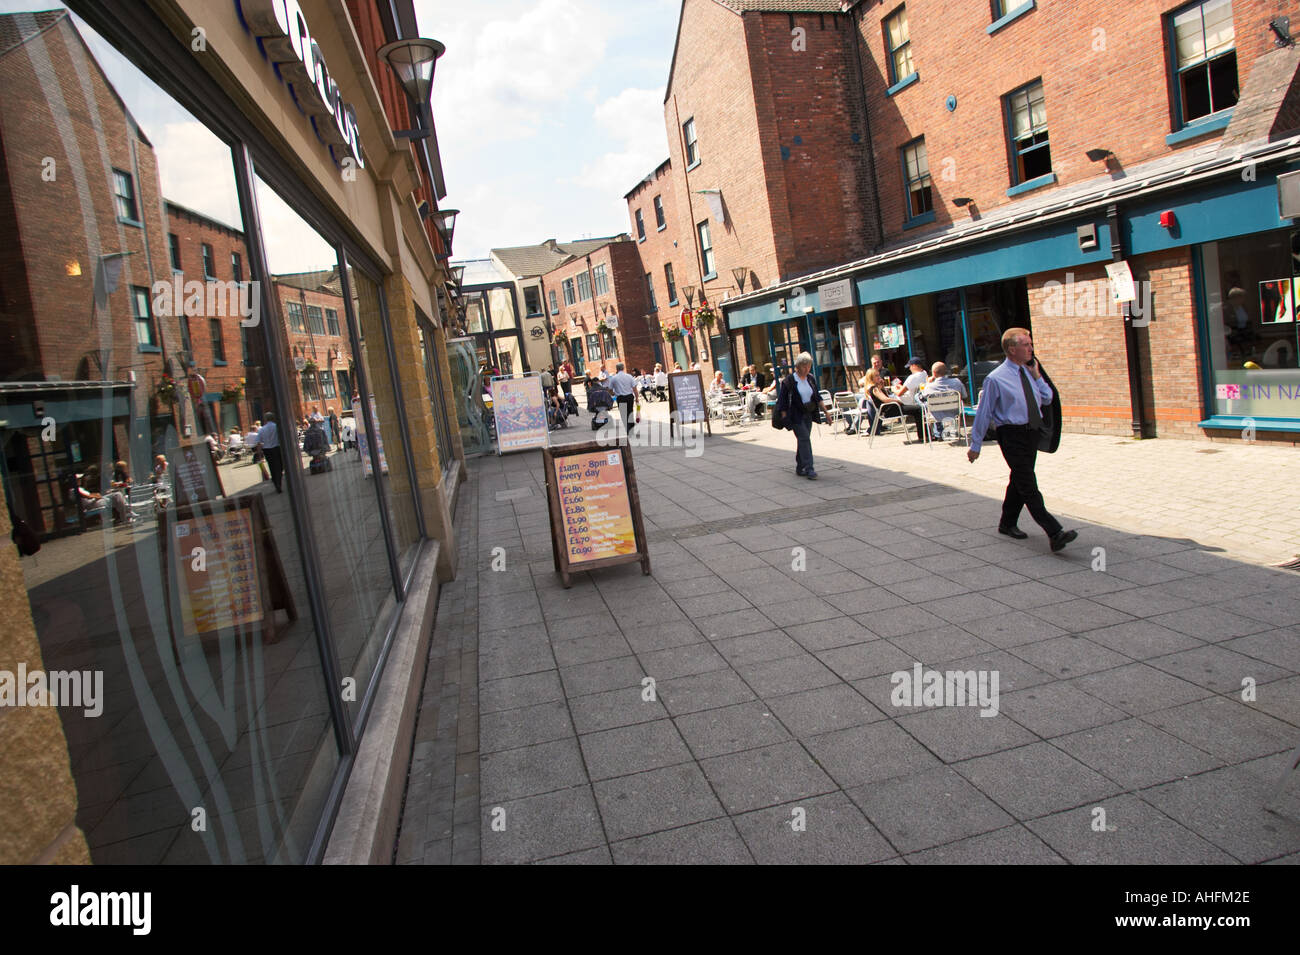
547, 112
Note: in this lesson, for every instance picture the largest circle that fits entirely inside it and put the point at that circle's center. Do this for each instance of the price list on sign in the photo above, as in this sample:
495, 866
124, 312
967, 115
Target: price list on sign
222, 581
594, 502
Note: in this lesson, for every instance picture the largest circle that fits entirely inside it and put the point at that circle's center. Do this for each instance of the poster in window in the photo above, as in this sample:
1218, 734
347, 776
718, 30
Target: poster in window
1276, 301
849, 345
891, 336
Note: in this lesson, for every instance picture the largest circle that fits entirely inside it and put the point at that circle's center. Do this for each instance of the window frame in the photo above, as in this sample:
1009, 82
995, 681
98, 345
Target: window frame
912, 216
1014, 152
325, 382
584, 287
640, 225
570, 296
174, 251
538, 294
905, 47
316, 322
600, 279
1214, 119
707, 259
661, 219
132, 198
217, 338
650, 291
146, 320
306, 378
555, 303
671, 281
332, 326
236, 266
296, 317
691, 140
208, 255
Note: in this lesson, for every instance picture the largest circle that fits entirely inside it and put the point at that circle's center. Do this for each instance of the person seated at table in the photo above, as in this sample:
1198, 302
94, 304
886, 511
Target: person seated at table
865, 407
92, 500
757, 400
718, 387
121, 476
942, 380
661, 382
880, 397
747, 376
909, 392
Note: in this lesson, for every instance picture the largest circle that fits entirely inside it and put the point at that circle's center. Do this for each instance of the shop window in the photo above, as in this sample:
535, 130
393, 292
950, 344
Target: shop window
208, 699
332, 321
146, 334
569, 297
692, 146
660, 220
916, 171
1027, 121
601, 279
640, 226
532, 300
315, 320
174, 247
672, 285
124, 197
650, 291
584, 287
898, 43
990, 310
1205, 59
706, 252
218, 341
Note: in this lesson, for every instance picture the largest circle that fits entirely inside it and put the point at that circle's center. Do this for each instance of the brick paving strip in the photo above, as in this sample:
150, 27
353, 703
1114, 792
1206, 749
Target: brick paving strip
772, 737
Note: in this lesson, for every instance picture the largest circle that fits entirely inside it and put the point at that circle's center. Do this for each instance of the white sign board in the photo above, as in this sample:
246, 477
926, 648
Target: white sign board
1121, 281
835, 295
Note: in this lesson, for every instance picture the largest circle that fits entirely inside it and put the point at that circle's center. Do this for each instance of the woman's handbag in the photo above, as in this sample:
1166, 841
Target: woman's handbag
778, 418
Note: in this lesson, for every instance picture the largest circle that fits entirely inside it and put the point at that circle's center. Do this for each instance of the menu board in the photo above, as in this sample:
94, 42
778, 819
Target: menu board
686, 399
520, 410
595, 509
193, 473
223, 567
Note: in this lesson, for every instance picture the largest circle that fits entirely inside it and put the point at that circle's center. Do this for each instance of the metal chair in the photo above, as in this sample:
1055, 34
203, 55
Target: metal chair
732, 408
889, 415
842, 409
946, 402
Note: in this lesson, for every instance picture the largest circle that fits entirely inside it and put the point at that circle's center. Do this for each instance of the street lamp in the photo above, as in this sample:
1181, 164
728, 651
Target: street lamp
689, 292
739, 274
413, 61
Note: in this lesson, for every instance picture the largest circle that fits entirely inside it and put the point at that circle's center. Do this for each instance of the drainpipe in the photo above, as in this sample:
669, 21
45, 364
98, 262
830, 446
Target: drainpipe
1132, 347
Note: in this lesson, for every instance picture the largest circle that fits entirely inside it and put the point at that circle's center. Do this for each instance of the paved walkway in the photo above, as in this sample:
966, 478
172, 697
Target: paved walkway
774, 733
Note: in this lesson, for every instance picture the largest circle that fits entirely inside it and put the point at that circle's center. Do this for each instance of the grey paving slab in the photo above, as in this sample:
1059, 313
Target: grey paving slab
733, 624
869, 753
696, 586
730, 729
1226, 727
651, 637
529, 770
655, 800
1069, 656
1148, 601
1135, 754
525, 726
605, 646
537, 827
1076, 616
766, 776
961, 732
928, 809
1012, 845
1217, 668
757, 648
1278, 647
597, 856
786, 675
610, 708
516, 659
1036, 780
1142, 639
633, 749
1280, 699
1095, 585
828, 634
715, 842
682, 661
940, 645
1139, 688
520, 691
1055, 709
703, 691
1012, 628
866, 659
823, 830
1136, 833
1281, 608
614, 674
823, 710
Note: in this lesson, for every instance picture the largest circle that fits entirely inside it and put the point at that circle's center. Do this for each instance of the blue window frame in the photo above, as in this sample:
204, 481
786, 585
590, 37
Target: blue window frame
706, 251
1031, 156
124, 197
898, 43
916, 177
1007, 11
1202, 45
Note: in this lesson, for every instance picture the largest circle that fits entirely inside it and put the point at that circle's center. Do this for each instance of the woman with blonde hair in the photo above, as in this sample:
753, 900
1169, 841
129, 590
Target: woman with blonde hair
879, 397
798, 408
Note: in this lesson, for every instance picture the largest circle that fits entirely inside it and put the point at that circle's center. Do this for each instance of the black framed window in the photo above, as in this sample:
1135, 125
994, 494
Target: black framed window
916, 173
532, 300
124, 197
706, 250
1203, 41
672, 284
640, 226
692, 143
1027, 123
660, 219
898, 44
236, 267
174, 248
217, 336
209, 267
650, 290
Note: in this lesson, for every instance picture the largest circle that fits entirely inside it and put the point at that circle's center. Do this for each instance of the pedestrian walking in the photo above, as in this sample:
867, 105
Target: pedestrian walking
268, 439
336, 435
1014, 395
623, 386
798, 408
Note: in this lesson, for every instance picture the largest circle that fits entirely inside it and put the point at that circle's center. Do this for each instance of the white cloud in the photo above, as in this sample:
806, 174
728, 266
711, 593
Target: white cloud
634, 122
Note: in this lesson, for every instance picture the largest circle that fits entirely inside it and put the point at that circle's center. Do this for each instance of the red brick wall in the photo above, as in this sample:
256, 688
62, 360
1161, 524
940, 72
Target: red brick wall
671, 246
332, 353
1105, 81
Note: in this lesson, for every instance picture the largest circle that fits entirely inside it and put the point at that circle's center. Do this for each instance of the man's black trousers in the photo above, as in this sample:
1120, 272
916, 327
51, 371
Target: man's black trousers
1019, 445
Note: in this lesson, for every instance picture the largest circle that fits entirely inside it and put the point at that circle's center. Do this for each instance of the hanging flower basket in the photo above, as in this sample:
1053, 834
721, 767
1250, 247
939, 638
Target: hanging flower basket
232, 393
166, 390
561, 338
310, 365
705, 317
602, 326
672, 333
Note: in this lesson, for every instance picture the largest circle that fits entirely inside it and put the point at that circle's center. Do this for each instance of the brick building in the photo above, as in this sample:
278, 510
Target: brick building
1015, 151
603, 296
669, 263
312, 306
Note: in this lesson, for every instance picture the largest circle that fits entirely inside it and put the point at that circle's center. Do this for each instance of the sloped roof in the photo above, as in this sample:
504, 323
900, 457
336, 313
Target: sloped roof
323, 280
527, 261
17, 28
785, 6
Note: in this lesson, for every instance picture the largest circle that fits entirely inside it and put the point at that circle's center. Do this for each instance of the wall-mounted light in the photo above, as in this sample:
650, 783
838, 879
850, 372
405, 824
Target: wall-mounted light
962, 201
1281, 27
413, 61
739, 273
1097, 155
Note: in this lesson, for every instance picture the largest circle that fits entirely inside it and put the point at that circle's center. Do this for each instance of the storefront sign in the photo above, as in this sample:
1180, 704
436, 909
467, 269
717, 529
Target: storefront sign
595, 509
686, 399
520, 410
282, 30
1260, 393
834, 295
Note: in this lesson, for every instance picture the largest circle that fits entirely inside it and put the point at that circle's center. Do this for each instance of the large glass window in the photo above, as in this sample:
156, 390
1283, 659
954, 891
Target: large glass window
1252, 333
916, 170
1030, 150
315, 320
1205, 59
601, 279
569, 297
990, 310
211, 740
584, 287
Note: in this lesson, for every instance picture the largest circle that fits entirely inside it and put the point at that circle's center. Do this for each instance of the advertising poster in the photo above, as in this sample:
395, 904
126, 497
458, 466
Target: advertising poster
595, 505
891, 336
688, 396
520, 409
1276, 300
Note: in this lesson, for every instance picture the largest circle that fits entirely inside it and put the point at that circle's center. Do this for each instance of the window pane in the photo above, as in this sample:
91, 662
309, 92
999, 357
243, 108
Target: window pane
1219, 35
207, 702
1189, 36
898, 29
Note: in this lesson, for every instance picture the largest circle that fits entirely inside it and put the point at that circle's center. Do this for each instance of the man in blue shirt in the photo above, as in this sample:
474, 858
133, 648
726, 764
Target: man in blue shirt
1014, 394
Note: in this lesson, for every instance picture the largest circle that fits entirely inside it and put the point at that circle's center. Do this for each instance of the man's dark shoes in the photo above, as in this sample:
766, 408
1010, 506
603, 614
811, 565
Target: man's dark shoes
1015, 532
1063, 538
811, 475
799, 471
